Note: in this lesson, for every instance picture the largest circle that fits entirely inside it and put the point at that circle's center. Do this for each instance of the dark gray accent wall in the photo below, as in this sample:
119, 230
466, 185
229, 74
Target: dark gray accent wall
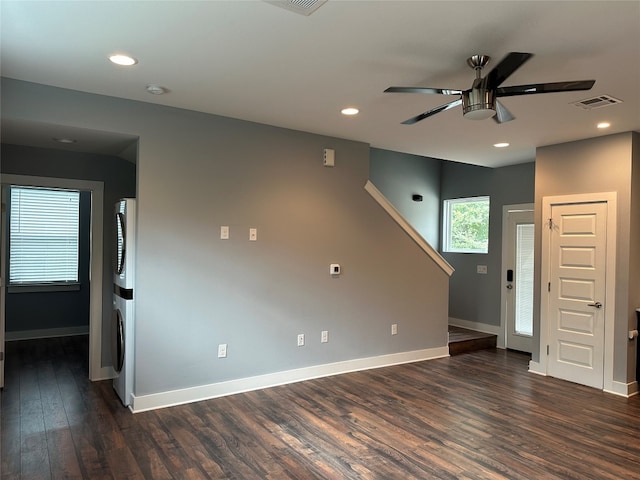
30, 310
118, 176
398, 176
198, 172
475, 297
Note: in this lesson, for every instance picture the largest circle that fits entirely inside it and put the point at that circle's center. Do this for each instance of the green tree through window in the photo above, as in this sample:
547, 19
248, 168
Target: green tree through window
466, 225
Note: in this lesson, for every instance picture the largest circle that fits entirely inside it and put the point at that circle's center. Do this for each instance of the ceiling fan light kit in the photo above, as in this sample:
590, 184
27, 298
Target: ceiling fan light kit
481, 100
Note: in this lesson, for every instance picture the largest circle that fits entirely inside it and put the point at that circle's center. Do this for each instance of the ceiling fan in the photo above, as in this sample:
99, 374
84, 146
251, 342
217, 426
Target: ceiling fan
481, 100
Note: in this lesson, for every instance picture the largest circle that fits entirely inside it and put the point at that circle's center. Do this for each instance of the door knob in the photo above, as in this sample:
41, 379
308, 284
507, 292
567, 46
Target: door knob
509, 286
597, 305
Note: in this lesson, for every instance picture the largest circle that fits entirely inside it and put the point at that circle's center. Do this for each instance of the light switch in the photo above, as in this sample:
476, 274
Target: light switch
224, 232
481, 269
253, 234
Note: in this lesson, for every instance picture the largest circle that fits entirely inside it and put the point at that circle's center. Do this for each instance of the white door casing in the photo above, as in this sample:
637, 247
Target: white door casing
96, 370
577, 308
514, 217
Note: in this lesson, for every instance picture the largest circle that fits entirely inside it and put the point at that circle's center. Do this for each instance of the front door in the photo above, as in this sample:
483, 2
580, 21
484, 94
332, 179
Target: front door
577, 288
518, 282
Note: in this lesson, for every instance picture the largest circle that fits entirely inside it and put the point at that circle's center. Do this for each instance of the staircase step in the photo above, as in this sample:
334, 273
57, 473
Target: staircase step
463, 340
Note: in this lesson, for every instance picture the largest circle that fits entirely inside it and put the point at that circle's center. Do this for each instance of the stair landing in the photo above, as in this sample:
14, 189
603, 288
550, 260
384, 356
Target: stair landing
462, 340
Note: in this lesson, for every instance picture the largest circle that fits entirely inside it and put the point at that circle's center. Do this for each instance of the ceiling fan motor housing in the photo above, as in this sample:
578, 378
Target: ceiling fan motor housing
478, 103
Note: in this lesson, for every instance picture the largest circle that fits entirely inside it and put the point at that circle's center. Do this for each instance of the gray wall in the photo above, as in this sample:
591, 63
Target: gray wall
28, 310
119, 177
400, 175
475, 297
603, 164
197, 172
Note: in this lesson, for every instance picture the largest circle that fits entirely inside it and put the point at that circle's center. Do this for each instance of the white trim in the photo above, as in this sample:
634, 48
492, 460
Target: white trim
95, 268
506, 210
623, 389
406, 226
46, 333
610, 198
481, 327
536, 367
152, 401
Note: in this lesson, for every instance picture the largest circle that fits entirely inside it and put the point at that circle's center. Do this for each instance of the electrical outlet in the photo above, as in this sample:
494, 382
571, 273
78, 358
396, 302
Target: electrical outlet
324, 336
222, 350
481, 269
301, 340
394, 329
253, 234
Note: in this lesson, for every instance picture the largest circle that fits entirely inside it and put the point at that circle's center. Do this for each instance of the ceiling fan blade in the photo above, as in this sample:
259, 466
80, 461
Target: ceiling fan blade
502, 114
439, 91
506, 67
545, 88
432, 112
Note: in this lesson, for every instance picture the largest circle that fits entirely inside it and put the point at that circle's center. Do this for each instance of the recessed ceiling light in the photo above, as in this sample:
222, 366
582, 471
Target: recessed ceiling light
65, 140
603, 125
350, 111
501, 145
123, 60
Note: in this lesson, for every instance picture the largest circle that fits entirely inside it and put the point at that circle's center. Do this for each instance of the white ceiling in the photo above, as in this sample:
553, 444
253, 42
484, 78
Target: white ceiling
255, 61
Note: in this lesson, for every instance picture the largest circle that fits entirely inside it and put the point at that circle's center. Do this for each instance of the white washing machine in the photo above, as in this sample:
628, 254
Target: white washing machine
122, 318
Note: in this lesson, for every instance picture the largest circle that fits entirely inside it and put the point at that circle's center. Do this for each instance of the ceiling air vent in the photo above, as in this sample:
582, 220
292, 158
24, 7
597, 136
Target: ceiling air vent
303, 7
597, 102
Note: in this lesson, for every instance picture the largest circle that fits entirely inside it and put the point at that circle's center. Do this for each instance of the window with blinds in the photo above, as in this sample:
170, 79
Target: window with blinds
43, 236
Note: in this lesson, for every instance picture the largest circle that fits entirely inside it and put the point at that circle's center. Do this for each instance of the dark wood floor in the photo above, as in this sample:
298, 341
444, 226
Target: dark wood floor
477, 415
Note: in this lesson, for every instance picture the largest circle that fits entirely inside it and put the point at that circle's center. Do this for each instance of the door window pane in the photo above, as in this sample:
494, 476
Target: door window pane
524, 279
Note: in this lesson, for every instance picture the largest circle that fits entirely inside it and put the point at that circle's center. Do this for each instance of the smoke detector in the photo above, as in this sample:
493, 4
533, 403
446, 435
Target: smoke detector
156, 89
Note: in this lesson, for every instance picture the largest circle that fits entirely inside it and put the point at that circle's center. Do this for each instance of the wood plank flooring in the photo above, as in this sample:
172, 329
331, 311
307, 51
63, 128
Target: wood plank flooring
473, 416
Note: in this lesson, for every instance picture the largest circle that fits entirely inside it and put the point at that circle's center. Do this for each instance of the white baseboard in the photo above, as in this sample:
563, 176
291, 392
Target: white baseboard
535, 367
623, 389
481, 327
46, 333
152, 401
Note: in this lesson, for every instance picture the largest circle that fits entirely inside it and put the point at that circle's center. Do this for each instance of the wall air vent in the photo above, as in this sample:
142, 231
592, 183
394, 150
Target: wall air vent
303, 7
597, 102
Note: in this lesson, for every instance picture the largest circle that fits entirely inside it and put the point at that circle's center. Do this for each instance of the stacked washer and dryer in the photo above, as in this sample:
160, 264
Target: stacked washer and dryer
122, 318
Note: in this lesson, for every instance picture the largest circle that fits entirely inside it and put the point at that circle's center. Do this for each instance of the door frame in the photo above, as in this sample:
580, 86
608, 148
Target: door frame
96, 370
610, 198
506, 209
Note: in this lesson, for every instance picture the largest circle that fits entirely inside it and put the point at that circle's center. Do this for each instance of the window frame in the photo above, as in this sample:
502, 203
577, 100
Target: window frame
43, 284
447, 205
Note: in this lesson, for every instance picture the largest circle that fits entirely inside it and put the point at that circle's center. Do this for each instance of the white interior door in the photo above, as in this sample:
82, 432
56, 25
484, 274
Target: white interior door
518, 279
577, 289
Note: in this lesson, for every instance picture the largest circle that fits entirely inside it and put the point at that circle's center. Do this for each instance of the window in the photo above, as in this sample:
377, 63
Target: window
466, 225
43, 236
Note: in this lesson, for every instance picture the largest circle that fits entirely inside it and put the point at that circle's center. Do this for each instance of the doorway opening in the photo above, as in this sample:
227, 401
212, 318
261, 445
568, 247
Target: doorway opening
96, 189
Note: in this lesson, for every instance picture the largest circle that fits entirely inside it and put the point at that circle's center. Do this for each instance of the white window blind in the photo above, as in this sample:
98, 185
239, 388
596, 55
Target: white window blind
43, 236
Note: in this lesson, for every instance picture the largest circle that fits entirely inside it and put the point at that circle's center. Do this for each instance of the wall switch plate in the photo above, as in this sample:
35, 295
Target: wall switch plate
253, 234
324, 336
329, 157
481, 269
301, 340
334, 269
222, 350
224, 232
394, 329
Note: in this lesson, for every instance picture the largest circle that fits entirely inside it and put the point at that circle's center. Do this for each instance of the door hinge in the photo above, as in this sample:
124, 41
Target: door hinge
1, 356
550, 223
549, 287
547, 349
